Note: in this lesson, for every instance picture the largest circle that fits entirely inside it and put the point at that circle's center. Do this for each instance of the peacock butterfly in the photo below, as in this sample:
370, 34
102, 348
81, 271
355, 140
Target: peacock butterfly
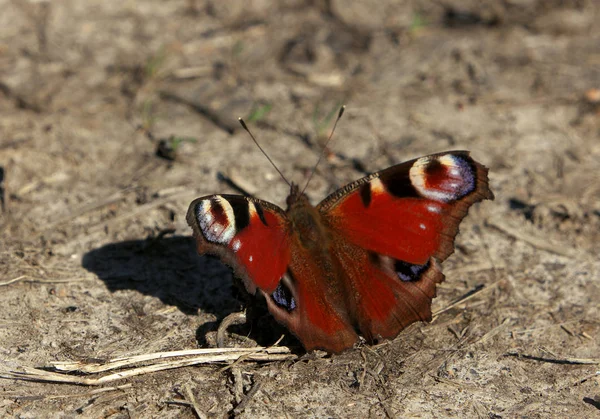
364, 260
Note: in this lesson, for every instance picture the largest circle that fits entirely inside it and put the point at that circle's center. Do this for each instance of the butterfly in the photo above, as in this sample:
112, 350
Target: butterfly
365, 260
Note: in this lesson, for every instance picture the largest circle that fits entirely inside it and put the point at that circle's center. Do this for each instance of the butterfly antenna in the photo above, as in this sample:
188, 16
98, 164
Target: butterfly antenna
340, 113
263, 151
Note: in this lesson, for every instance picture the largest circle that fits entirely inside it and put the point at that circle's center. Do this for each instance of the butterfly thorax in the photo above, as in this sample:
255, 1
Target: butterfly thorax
306, 221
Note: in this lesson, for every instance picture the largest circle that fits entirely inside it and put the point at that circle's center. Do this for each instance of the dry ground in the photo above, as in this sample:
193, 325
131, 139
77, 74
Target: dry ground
90, 89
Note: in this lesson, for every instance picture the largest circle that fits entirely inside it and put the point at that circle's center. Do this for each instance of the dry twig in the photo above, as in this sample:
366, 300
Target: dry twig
586, 378
242, 405
230, 320
189, 395
238, 384
66, 396
556, 360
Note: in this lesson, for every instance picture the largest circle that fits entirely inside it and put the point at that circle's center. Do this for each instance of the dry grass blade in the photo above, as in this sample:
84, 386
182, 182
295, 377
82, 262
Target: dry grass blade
142, 209
543, 328
216, 116
466, 298
67, 396
210, 354
26, 278
501, 327
192, 72
84, 209
259, 354
537, 242
33, 374
556, 360
11, 281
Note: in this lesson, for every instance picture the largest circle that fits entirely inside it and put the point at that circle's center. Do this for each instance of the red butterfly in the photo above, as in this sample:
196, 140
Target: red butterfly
365, 260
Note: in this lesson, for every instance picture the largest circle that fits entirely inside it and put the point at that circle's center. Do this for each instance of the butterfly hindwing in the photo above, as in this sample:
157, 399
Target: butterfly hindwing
248, 234
309, 302
381, 303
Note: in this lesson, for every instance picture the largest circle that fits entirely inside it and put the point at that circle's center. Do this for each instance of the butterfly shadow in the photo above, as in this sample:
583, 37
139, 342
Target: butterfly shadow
170, 269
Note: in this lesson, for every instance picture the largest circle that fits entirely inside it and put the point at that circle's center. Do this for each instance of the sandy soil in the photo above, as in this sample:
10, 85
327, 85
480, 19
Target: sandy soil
96, 259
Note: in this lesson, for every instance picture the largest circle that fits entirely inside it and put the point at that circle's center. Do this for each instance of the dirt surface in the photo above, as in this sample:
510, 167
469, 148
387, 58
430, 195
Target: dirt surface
96, 259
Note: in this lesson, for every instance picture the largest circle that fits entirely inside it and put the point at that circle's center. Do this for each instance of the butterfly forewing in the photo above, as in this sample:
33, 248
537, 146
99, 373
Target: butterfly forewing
410, 211
250, 235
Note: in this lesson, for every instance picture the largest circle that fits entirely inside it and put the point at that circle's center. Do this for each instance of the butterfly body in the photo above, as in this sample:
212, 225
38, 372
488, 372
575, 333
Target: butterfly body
363, 261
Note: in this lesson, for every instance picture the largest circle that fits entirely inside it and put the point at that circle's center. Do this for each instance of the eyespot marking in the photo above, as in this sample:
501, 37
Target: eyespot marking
283, 295
443, 178
409, 272
216, 220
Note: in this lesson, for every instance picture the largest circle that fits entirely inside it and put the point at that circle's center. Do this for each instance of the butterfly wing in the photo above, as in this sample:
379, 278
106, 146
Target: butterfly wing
250, 235
410, 211
392, 228
255, 238
310, 302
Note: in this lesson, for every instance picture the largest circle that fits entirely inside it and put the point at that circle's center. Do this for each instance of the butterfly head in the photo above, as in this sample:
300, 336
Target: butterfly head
296, 197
